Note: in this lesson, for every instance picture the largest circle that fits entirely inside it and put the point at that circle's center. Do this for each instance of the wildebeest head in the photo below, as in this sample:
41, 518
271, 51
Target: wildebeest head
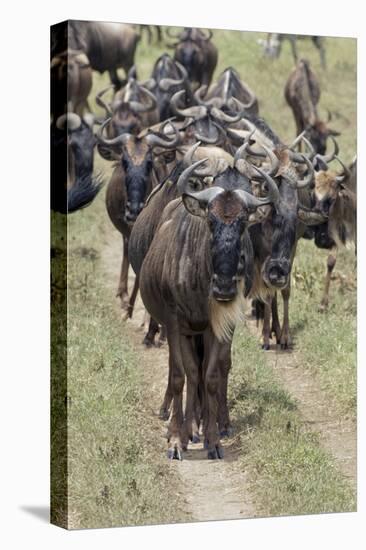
229, 209
330, 196
80, 141
281, 230
136, 158
318, 134
128, 106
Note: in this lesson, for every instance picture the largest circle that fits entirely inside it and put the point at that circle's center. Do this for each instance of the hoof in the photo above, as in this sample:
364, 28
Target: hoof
216, 452
265, 347
164, 414
195, 438
175, 454
227, 432
147, 343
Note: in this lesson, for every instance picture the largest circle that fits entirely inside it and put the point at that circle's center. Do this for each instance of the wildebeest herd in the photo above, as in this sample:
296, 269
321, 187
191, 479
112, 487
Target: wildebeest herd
209, 200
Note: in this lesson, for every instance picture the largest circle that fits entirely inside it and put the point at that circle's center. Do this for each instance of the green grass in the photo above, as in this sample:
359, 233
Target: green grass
289, 472
113, 479
327, 341
116, 476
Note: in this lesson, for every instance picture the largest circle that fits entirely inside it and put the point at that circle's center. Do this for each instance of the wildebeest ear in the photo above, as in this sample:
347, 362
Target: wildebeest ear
333, 132
310, 217
194, 206
107, 152
260, 214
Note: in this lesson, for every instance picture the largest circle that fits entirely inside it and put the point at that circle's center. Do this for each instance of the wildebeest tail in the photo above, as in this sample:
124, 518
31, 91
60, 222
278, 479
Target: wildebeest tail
83, 192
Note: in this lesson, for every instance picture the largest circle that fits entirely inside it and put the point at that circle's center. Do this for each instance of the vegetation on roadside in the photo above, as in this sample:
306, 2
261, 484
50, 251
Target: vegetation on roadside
290, 473
117, 468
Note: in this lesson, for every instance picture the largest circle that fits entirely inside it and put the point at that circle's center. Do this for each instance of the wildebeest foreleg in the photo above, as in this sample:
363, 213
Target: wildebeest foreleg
212, 378
132, 299
285, 339
223, 416
266, 331
276, 326
115, 78
332, 258
122, 291
149, 338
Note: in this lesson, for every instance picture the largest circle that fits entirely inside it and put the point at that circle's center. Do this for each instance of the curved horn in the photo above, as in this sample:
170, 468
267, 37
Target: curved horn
139, 107
346, 172
330, 156
121, 139
89, 119
175, 37
273, 191
157, 141
237, 105
99, 101
72, 120
224, 117
206, 38
183, 180
212, 140
298, 157
188, 161
166, 83
309, 178
197, 111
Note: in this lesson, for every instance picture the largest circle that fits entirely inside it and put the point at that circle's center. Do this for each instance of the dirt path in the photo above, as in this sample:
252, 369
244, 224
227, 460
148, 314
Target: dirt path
218, 489
338, 437
211, 489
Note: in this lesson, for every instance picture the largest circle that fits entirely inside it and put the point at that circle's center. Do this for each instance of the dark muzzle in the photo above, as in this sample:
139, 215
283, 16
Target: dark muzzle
224, 289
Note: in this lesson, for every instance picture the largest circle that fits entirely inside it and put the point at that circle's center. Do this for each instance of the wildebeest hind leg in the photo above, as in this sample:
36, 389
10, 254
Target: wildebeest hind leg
331, 261
131, 303
177, 377
191, 367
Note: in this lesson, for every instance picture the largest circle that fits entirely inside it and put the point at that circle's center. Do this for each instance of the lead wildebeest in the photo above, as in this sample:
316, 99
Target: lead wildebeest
109, 46
195, 51
72, 149
302, 93
132, 180
193, 280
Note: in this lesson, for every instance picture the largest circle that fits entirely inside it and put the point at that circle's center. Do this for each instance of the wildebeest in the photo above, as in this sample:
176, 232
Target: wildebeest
72, 149
195, 51
131, 182
273, 45
229, 85
132, 109
108, 46
197, 292
335, 196
70, 73
168, 77
302, 93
